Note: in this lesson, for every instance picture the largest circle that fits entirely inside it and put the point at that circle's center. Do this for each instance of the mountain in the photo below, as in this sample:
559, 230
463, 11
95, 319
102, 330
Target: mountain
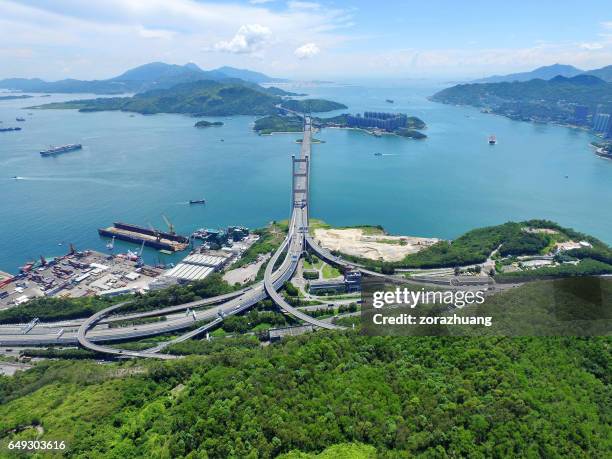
197, 98
544, 73
605, 73
555, 100
155, 75
249, 75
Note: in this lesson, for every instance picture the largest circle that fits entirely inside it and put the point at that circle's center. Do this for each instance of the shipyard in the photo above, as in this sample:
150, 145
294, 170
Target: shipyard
90, 273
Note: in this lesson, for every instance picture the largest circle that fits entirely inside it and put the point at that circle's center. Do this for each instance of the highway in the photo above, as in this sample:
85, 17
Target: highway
90, 332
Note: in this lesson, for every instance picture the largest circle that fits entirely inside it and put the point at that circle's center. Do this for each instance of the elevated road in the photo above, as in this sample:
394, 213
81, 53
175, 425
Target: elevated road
95, 329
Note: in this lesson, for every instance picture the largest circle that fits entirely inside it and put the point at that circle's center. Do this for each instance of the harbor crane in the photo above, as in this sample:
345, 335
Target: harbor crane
169, 224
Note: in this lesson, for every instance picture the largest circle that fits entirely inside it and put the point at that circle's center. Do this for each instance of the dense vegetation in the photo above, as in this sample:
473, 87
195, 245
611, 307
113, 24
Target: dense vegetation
312, 105
552, 100
410, 133
198, 98
204, 123
276, 123
402, 397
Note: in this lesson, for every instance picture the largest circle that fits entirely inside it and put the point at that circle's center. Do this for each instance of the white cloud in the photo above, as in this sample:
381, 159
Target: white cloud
607, 24
307, 51
591, 46
259, 2
249, 39
296, 5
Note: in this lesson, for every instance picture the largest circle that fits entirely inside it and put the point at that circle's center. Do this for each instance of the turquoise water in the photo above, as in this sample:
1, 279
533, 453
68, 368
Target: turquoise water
136, 168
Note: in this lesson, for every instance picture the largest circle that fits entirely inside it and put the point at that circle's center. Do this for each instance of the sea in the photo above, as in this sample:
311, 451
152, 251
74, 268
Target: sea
138, 168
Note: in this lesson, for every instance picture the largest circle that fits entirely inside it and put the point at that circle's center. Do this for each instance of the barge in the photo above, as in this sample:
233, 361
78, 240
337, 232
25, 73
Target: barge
151, 237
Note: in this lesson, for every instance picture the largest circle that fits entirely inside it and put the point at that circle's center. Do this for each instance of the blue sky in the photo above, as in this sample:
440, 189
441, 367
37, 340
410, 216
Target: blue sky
444, 39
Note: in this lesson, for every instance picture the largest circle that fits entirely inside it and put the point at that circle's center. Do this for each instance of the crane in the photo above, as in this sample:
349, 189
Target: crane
170, 225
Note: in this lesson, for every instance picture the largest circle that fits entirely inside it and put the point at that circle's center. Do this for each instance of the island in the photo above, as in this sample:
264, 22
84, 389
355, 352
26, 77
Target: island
22, 96
200, 98
204, 123
575, 101
373, 123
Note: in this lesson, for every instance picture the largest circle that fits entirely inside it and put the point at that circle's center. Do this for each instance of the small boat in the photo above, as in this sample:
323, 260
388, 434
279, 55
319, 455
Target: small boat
16, 177
492, 140
390, 101
377, 154
197, 201
222, 140
19, 119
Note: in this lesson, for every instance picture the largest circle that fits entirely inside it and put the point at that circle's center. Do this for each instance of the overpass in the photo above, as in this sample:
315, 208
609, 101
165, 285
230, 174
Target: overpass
94, 330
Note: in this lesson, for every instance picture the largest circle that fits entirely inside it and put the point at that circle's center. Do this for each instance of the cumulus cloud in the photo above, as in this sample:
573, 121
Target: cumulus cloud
307, 51
249, 39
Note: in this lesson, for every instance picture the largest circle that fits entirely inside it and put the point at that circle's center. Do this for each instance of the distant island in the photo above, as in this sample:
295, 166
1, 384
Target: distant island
204, 123
155, 75
201, 98
571, 101
548, 72
23, 96
374, 123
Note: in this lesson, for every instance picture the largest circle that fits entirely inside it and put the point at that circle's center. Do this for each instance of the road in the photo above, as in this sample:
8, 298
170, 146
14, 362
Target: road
94, 330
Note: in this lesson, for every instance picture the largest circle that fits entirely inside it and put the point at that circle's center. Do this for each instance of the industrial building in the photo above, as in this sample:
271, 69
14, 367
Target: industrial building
380, 120
197, 267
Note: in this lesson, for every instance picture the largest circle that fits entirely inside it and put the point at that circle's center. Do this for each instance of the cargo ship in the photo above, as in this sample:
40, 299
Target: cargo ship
151, 237
10, 129
197, 201
62, 149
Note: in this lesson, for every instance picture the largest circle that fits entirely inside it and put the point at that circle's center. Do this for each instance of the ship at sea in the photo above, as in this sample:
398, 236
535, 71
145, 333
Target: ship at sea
62, 149
197, 201
492, 140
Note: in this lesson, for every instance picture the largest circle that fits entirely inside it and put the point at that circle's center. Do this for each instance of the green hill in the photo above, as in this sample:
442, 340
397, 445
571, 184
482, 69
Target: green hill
204, 97
535, 100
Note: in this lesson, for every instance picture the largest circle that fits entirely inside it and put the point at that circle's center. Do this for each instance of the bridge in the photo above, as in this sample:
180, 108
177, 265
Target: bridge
92, 332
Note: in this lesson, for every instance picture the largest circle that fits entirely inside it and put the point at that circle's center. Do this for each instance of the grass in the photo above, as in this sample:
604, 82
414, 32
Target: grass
329, 272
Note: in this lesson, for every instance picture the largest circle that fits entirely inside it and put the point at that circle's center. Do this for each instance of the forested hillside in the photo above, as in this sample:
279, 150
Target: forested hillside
402, 397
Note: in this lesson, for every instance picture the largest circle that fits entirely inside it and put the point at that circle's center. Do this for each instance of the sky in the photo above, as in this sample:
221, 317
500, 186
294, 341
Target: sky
439, 39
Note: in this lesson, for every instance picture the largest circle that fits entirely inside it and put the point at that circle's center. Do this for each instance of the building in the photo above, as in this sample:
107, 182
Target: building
601, 122
580, 114
609, 134
380, 120
197, 267
352, 280
276, 334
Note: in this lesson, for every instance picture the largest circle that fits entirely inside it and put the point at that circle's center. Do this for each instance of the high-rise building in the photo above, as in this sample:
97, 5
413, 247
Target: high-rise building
580, 114
609, 134
601, 122
386, 121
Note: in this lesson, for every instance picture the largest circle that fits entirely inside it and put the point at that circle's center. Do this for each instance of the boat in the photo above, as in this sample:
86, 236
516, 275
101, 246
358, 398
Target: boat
390, 101
377, 154
197, 201
492, 140
16, 177
62, 149
19, 119
10, 129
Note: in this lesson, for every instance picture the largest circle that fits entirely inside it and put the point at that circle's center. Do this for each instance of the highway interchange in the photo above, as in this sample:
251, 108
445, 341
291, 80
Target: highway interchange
92, 332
